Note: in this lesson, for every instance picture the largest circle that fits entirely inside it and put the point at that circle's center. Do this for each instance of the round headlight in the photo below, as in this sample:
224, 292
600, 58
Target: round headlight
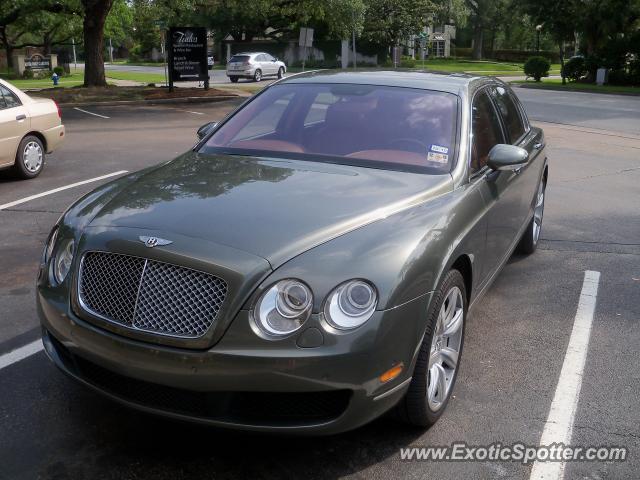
63, 260
284, 307
350, 304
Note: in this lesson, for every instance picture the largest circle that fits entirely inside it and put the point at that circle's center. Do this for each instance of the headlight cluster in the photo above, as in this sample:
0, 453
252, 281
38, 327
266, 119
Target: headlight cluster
59, 255
287, 304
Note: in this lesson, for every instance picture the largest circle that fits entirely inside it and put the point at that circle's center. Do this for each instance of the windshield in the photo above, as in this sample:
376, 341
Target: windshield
369, 125
239, 59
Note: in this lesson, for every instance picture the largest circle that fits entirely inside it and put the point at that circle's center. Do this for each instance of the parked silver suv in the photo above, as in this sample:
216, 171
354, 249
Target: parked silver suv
254, 65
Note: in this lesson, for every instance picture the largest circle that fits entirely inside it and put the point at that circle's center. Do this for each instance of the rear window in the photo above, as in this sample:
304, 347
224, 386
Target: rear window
368, 125
239, 58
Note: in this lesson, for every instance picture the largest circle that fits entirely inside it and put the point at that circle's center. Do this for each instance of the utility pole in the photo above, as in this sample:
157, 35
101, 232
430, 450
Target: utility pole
75, 60
110, 50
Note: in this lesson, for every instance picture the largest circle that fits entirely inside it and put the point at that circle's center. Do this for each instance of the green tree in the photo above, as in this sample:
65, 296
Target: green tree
483, 15
14, 15
556, 18
388, 22
119, 22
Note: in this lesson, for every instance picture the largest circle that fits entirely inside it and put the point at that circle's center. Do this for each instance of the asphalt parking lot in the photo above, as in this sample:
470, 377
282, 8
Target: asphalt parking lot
515, 345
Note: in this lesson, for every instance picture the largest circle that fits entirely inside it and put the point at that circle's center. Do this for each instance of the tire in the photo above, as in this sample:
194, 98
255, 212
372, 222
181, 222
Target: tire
417, 407
531, 236
281, 72
30, 157
257, 76
234, 79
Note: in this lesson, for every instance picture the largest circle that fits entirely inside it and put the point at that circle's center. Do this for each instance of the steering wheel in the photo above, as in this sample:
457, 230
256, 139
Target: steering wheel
422, 147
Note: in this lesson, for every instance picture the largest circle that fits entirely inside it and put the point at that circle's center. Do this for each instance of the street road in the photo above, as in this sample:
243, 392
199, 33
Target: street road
515, 342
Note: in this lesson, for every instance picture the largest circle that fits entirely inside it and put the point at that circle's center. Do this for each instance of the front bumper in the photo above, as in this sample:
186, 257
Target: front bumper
244, 381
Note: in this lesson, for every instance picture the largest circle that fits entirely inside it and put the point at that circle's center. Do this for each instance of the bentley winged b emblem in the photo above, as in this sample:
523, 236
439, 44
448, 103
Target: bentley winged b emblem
154, 241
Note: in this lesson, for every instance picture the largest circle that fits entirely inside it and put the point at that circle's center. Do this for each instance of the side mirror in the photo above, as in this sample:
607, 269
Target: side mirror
204, 130
507, 157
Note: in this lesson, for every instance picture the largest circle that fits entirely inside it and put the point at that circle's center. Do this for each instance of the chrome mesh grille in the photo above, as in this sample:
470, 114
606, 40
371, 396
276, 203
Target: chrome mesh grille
149, 295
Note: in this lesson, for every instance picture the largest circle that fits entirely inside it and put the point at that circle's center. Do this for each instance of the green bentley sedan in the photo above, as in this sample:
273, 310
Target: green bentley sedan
309, 264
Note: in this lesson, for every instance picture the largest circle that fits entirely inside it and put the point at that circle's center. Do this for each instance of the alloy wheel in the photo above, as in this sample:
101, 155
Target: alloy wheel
445, 349
32, 156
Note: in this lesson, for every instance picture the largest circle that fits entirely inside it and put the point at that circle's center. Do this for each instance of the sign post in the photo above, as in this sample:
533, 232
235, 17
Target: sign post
423, 46
306, 40
187, 49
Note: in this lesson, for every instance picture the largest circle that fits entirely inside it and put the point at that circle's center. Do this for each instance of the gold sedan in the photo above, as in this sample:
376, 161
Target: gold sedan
29, 128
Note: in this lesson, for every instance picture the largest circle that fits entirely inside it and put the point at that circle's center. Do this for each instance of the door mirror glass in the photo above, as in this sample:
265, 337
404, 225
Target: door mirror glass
507, 157
205, 129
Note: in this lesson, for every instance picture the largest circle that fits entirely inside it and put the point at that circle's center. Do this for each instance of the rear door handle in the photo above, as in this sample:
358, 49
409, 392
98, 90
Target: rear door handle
21, 117
538, 146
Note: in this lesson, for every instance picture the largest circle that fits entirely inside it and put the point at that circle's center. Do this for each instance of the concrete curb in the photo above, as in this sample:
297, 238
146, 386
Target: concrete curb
573, 90
111, 103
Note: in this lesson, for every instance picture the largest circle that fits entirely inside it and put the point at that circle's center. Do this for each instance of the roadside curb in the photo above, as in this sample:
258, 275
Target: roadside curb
573, 90
220, 98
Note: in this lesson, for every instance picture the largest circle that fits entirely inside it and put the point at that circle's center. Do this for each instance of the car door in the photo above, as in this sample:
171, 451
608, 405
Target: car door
14, 124
273, 64
265, 64
519, 133
498, 188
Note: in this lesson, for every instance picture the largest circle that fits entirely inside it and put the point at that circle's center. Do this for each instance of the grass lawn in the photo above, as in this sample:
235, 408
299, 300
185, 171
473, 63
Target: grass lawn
141, 77
481, 67
556, 84
67, 81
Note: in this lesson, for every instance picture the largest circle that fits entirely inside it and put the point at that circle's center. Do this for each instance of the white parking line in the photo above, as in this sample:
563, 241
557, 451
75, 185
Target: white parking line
188, 111
559, 425
20, 353
59, 189
90, 113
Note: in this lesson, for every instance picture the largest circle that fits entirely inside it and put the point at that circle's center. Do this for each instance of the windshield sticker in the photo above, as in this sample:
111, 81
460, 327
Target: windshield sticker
437, 157
439, 149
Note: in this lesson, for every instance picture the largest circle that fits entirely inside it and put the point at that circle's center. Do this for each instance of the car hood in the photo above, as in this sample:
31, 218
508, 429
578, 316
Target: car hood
273, 208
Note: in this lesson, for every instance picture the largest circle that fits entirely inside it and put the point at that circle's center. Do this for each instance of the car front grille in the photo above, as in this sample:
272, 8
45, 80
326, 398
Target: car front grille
149, 295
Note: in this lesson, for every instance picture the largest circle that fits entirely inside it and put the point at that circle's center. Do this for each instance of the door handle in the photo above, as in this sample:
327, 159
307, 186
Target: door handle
538, 146
21, 117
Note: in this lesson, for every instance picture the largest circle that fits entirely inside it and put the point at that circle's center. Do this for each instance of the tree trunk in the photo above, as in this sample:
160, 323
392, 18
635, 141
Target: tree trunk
95, 14
8, 48
478, 33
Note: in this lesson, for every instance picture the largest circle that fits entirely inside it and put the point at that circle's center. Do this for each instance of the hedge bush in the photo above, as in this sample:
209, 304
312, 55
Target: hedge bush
537, 67
575, 69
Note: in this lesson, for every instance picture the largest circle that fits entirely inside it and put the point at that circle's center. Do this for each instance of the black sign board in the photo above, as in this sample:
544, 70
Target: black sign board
187, 48
37, 62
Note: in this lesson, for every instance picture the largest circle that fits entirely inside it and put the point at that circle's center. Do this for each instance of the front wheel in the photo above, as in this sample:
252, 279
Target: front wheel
529, 241
439, 357
281, 72
30, 157
258, 75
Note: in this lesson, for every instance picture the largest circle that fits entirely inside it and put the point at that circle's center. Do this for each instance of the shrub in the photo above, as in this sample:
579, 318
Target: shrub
407, 62
59, 71
537, 67
27, 74
575, 68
